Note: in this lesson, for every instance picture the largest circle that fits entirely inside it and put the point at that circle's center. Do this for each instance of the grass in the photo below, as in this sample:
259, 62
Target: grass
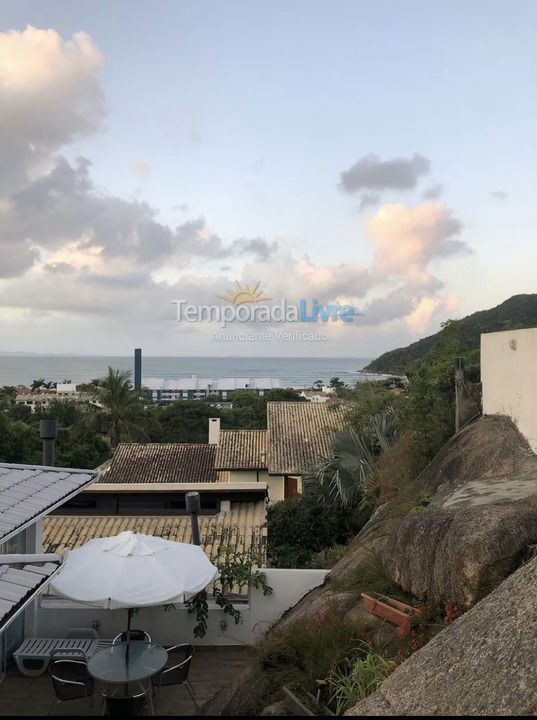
309, 650
370, 577
327, 558
357, 677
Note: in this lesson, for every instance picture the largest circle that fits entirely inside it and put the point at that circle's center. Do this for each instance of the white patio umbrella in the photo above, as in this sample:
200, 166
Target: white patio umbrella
132, 570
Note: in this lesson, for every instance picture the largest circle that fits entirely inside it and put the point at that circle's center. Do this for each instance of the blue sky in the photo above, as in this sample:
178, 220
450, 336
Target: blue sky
245, 114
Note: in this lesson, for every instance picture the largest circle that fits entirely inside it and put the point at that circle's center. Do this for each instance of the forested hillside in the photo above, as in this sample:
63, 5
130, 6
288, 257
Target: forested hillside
520, 311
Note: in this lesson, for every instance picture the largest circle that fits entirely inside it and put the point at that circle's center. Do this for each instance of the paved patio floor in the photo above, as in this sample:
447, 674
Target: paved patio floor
211, 670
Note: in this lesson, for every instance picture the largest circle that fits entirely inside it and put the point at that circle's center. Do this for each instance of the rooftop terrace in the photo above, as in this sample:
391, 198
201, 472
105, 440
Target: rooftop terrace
212, 669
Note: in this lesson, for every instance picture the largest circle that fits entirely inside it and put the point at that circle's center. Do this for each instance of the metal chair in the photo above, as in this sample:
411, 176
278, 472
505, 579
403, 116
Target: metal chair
81, 634
176, 673
70, 677
132, 635
129, 706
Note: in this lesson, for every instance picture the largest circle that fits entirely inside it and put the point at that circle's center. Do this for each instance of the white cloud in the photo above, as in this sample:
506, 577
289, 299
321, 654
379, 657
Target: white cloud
49, 96
406, 239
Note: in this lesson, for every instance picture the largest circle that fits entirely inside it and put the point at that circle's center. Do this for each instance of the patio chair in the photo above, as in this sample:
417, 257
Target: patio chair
176, 670
132, 635
70, 679
130, 706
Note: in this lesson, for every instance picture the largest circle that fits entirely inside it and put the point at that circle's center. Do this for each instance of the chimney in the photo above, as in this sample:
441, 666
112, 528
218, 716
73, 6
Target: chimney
48, 432
214, 431
138, 368
193, 506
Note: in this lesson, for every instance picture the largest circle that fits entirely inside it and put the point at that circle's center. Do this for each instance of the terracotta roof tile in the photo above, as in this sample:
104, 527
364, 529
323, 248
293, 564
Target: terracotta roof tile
242, 450
242, 528
161, 463
300, 434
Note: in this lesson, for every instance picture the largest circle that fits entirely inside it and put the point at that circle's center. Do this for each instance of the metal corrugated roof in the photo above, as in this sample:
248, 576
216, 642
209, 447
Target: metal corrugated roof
20, 582
241, 450
29, 491
161, 463
243, 528
300, 434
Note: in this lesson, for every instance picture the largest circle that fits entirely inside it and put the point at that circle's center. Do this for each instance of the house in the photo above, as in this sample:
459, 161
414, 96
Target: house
509, 378
164, 392
144, 488
27, 494
298, 436
41, 398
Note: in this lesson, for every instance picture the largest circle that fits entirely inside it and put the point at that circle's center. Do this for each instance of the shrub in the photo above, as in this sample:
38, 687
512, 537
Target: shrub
300, 527
327, 558
357, 677
370, 577
309, 650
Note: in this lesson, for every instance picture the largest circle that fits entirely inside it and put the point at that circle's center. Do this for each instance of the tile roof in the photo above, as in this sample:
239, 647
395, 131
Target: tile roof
300, 434
20, 582
243, 528
241, 450
29, 491
161, 463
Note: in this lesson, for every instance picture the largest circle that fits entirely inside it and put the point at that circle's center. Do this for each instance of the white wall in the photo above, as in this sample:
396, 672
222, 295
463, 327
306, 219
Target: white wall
509, 378
175, 626
275, 483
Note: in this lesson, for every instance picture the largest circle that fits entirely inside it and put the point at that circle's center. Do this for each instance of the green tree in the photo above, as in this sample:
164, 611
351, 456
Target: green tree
341, 478
122, 411
300, 527
431, 396
185, 421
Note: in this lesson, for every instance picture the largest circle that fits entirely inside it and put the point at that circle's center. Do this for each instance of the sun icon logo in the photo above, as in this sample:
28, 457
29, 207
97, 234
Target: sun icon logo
244, 294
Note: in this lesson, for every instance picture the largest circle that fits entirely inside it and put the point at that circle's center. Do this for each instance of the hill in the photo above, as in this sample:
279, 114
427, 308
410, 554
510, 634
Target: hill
520, 311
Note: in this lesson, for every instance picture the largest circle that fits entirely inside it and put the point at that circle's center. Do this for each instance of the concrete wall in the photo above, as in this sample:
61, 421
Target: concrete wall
509, 378
175, 626
276, 484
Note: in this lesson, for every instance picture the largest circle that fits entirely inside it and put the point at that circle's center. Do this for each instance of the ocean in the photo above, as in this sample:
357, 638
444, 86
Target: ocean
292, 372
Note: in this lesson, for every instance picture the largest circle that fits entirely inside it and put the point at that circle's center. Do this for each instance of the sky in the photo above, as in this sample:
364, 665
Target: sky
379, 154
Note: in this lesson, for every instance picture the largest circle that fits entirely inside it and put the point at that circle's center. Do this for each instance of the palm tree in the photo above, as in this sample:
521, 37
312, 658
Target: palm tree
122, 408
342, 478
8, 395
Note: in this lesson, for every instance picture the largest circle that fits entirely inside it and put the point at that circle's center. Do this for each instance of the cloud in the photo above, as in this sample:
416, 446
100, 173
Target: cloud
371, 173
499, 195
71, 251
63, 206
283, 275
406, 239
49, 96
433, 192
368, 200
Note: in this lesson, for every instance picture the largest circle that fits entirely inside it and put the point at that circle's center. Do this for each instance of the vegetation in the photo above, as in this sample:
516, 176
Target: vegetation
519, 311
357, 677
237, 571
121, 409
307, 651
89, 431
300, 527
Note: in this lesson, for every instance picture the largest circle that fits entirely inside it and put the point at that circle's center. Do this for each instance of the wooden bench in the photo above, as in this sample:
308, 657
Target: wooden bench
33, 656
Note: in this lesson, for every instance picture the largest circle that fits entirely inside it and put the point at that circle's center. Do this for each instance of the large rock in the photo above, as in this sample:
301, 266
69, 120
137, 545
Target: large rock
483, 664
460, 555
482, 518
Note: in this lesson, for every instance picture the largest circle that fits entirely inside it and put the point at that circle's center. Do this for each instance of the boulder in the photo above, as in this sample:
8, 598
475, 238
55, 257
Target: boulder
460, 555
482, 664
480, 522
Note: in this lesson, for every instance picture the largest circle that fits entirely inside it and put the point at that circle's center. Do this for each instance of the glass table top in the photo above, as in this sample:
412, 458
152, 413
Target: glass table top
127, 661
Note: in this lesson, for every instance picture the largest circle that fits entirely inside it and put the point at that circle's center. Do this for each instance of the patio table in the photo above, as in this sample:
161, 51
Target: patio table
127, 662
